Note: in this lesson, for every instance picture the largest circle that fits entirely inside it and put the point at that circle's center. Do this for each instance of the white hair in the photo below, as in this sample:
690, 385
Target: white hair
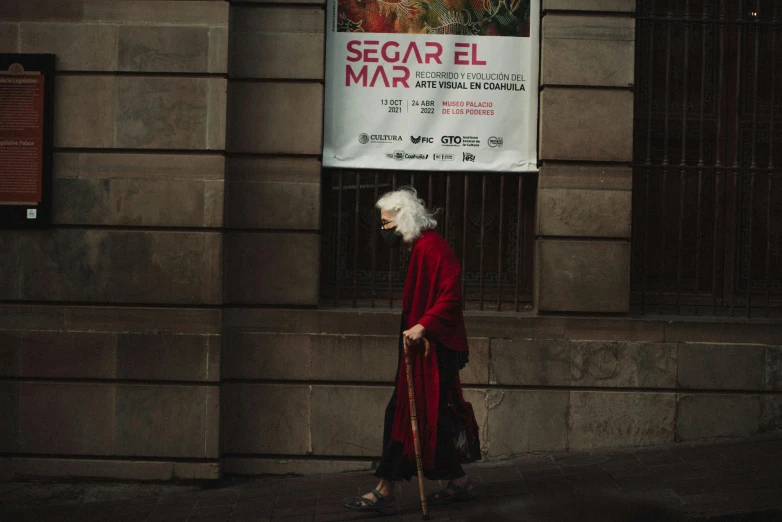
409, 212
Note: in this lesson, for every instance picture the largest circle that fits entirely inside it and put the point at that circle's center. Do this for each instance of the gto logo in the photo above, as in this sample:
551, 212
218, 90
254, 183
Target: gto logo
495, 142
451, 140
421, 139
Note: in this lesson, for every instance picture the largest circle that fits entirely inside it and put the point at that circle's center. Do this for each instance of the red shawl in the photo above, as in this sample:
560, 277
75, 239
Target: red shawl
433, 298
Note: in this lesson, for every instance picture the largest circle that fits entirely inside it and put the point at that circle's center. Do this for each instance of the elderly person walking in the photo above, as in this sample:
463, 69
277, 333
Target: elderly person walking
431, 310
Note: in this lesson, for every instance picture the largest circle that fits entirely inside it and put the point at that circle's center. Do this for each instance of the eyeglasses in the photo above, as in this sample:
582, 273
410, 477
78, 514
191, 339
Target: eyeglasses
384, 223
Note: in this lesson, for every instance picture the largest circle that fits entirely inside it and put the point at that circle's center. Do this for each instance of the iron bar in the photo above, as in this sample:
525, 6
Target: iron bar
753, 160
464, 241
665, 163
499, 253
483, 234
701, 141
648, 171
770, 166
355, 238
682, 180
339, 234
518, 243
374, 244
734, 261
718, 158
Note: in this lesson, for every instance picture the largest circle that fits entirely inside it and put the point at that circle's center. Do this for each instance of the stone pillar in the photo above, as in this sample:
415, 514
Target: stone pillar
110, 331
274, 136
586, 141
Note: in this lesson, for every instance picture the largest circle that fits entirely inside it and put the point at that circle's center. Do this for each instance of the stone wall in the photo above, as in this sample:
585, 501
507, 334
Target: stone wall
311, 387
586, 145
110, 331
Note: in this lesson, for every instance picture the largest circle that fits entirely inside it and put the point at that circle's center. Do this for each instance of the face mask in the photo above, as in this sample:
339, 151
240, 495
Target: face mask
391, 236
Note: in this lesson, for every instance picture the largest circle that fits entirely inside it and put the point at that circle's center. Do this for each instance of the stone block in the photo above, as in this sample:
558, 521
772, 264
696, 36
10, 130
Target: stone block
145, 320
145, 202
79, 47
524, 421
152, 166
10, 343
272, 268
516, 326
286, 118
163, 357
266, 418
709, 416
773, 368
65, 165
721, 330
271, 466
114, 266
167, 12
770, 413
32, 317
68, 355
85, 111
586, 177
9, 38
591, 5
9, 260
212, 422
477, 370
588, 50
603, 419
162, 113
623, 364
66, 419
216, 114
161, 421
272, 356
338, 428
214, 204
599, 329
354, 358
278, 206
81, 201
168, 49
721, 366
276, 193
218, 50
9, 411
116, 469
590, 213
586, 124
530, 362
277, 43
21, 10
583, 276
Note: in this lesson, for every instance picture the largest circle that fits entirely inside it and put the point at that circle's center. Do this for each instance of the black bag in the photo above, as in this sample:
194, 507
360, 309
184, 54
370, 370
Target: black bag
465, 431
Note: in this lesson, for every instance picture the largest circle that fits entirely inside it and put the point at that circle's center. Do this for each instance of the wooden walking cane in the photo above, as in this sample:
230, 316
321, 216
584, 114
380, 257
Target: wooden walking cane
414, 425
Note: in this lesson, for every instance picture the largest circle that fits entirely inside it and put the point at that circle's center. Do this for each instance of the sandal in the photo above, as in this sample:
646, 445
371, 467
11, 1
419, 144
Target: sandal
460, 493
382, 505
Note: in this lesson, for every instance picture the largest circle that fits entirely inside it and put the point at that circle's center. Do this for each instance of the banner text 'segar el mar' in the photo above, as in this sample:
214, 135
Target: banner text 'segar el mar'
442, 85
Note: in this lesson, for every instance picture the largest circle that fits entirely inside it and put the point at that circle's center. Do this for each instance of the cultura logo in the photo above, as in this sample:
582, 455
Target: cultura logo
363, 138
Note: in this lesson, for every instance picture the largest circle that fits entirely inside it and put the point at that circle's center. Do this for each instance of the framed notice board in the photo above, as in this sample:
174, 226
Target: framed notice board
26, 120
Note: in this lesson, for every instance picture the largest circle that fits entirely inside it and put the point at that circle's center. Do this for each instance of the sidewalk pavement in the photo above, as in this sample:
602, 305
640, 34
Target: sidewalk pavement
722, 481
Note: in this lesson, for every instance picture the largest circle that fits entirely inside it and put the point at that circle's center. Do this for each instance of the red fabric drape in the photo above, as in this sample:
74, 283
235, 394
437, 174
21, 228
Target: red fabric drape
433, 298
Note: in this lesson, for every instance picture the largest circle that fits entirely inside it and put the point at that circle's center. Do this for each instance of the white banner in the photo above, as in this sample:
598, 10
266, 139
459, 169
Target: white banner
440, 85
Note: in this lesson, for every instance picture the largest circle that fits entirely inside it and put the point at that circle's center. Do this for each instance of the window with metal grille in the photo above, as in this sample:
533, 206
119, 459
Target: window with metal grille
487, 218
707, 195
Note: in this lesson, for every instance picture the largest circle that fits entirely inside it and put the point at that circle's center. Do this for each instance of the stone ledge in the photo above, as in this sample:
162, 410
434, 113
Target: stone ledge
114, 469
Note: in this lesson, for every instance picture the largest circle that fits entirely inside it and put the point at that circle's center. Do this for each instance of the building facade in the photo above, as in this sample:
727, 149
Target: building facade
209, 299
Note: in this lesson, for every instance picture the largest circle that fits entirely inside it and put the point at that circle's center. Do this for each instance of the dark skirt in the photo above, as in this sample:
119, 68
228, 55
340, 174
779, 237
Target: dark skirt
394, 465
